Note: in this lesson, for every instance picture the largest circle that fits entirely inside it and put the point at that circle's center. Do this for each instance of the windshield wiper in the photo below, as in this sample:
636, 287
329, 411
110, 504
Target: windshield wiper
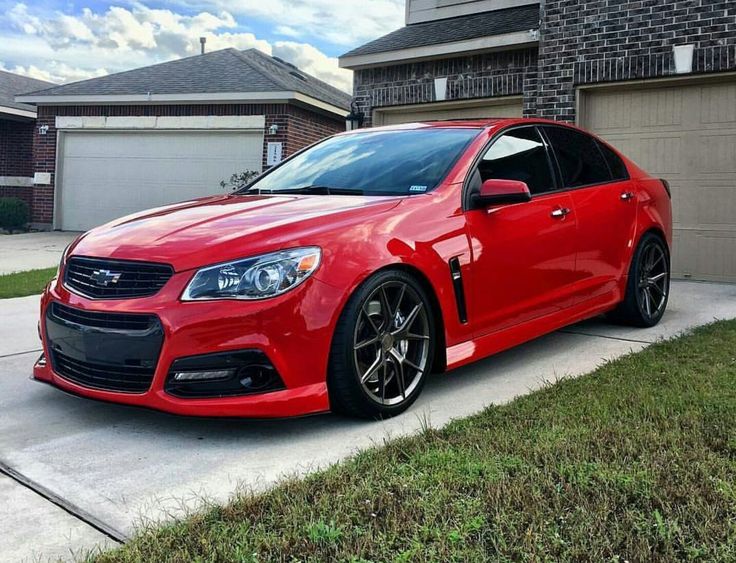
314, 189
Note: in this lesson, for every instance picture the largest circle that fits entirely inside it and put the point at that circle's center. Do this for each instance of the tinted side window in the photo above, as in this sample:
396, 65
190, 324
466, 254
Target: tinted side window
581, 161
519, 154
616, 165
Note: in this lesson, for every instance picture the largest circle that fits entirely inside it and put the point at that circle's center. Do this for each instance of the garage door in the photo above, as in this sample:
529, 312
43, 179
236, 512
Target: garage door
687, 135
448, 110
107, 175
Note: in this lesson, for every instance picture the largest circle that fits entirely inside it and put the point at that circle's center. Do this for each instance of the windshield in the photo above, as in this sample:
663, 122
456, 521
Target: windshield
399, 162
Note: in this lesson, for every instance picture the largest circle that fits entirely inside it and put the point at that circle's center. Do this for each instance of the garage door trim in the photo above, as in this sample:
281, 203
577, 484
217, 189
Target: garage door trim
379, 113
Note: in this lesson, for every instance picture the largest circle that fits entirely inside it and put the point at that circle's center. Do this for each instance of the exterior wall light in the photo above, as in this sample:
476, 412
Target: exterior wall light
273, 129
43, 129
354, 120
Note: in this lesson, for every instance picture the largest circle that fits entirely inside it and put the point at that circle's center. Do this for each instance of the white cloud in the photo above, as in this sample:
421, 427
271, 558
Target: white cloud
63, 48
54, 72
341, 22
314, 62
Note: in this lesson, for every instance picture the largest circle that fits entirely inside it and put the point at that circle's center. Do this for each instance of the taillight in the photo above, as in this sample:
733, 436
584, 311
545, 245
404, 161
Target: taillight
666, 185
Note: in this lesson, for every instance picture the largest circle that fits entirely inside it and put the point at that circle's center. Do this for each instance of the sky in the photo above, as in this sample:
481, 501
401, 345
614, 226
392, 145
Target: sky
64, 41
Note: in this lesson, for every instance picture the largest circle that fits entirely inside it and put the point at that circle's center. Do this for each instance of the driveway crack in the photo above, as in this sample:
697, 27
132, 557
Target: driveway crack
65, 505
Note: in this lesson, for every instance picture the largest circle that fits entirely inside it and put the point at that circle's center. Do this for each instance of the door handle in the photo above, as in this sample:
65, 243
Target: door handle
626, 196
560, 212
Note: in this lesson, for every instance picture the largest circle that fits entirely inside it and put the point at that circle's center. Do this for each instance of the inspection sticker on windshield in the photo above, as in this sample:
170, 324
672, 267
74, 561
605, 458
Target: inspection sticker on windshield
418, 189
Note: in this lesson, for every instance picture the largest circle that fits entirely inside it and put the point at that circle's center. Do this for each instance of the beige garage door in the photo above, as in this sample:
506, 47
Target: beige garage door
105, 175
687, 135
506, 107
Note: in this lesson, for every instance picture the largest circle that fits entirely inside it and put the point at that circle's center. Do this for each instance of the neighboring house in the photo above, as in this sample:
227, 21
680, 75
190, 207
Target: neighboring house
170, 132
608, 66
16, 136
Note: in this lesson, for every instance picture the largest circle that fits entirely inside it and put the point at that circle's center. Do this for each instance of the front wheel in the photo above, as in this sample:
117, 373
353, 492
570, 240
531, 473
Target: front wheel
648, 286
383, 347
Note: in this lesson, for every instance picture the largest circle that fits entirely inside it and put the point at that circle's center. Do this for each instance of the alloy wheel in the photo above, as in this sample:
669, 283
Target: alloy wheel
391, 343
653, 283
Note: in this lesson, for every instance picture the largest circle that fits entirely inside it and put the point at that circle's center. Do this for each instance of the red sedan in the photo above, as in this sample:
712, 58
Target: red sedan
341, 278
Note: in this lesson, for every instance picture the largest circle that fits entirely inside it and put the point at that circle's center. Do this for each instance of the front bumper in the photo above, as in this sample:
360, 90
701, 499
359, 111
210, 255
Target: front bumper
292, 330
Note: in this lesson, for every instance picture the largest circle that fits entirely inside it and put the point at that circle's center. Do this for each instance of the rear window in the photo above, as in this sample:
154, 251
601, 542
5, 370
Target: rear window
581, 161
615, 164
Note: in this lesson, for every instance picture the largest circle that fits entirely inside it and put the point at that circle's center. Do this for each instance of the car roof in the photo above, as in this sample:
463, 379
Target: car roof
475, 123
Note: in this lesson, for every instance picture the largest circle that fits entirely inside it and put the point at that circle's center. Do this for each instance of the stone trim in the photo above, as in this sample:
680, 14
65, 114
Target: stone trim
16, 181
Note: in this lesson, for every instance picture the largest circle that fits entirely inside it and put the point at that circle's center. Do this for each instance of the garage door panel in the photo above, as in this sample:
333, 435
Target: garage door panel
108, 175
718, 104
687, 135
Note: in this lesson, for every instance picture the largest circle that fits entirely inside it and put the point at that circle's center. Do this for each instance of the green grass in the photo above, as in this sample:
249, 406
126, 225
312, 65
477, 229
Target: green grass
636, 461
20, 284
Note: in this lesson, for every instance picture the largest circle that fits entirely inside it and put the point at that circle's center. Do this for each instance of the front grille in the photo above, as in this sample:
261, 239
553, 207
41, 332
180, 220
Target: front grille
130, 379
114, 321
115, 279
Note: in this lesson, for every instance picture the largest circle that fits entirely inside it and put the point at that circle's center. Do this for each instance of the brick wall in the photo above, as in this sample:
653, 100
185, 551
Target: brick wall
16, 156
16, 142
297, 128
603, 41
476, 76
22, 192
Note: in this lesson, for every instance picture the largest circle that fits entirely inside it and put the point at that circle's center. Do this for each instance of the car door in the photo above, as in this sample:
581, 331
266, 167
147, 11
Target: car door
524, 253
604, 200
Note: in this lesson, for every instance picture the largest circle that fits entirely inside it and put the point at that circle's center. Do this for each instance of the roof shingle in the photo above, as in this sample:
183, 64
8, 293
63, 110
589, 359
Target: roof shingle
225, 71
485, 24
13, 84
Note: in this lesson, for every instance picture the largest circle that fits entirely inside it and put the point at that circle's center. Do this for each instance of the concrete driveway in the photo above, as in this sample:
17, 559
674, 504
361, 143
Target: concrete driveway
75, 474
30, 251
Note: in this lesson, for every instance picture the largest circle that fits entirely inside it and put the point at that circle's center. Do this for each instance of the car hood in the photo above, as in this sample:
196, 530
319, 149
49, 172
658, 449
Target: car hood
221, 228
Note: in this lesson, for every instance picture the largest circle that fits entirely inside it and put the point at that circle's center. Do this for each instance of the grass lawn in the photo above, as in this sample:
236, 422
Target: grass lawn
636, 461
21, 284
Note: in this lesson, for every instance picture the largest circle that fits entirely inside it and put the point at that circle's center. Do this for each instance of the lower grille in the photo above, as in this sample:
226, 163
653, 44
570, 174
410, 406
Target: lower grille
107, 351
130, 379
115, 321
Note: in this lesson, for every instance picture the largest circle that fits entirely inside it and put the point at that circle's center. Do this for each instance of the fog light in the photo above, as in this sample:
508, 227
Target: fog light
208, 375
222, 374
41, 362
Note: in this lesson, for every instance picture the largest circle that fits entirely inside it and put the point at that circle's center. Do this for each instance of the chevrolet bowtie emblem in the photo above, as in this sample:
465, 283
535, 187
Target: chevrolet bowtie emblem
105, 277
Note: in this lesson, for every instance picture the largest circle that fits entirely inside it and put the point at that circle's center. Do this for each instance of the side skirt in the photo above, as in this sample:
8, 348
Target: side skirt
486, 345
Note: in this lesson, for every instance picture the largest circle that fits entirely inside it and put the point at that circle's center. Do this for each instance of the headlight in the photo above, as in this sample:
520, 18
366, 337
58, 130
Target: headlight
259, 277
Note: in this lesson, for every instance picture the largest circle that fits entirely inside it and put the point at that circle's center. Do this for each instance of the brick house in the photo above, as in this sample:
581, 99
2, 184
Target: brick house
656, 79
117, 144
17, 122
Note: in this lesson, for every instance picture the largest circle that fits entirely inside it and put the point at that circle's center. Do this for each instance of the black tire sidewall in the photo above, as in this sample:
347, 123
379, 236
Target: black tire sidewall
646, 241
347, 395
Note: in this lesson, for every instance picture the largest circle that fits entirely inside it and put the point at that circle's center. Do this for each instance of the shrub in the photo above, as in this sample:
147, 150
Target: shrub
14, 213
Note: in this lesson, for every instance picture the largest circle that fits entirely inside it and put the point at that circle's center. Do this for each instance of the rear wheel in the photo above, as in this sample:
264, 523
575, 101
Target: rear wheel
648, 286
383, 347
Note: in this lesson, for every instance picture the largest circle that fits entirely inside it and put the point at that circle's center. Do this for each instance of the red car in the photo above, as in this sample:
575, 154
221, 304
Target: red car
341, 278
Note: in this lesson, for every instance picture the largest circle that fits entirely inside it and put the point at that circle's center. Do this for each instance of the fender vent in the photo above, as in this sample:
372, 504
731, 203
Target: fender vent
457, 284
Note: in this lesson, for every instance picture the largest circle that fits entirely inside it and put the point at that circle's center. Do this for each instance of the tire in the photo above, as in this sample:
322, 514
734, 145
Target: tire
383, 347
645, 300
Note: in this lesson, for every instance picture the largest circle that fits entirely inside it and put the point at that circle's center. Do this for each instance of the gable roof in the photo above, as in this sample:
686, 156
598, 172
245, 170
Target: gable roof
451, 30
217, 75
13, 84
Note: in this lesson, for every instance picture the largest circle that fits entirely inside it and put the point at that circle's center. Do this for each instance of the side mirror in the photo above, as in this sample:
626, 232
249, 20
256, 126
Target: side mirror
499, 192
